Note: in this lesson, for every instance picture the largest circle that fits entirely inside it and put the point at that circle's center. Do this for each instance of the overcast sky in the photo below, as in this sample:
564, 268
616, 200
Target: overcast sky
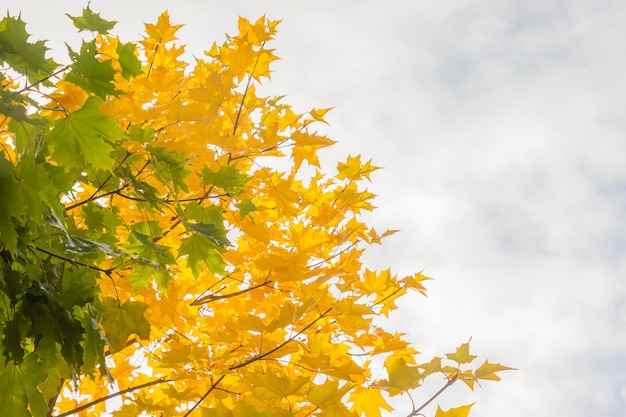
501, 128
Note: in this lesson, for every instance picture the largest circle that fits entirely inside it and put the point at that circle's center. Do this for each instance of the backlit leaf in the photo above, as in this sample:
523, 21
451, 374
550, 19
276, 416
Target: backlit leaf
90, 73
227, 178
22, 56
85, 134
121, 321
461, 355
92, 21
131, 66
368, 401
18, 387
454, 412
402, 376
488, 371
201, 250
9, 207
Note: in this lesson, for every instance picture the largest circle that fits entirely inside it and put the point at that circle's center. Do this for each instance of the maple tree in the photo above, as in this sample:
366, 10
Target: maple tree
155, 260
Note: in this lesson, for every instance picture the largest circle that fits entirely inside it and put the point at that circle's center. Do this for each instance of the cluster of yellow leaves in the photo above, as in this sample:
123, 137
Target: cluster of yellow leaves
275, 317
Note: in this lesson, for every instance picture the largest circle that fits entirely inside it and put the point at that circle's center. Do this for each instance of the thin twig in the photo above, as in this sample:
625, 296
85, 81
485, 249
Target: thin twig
95, 197
28, 87
214, 297
53, 400
72, 261
243, 98
448, 384
259, 357
213, 386
108, 397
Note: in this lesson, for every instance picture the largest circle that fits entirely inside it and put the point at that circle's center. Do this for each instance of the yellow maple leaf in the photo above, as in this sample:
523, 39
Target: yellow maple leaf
67, 98
462, 411
461, 355
488, 371
368, 401
318, 114
163, 31
353, 169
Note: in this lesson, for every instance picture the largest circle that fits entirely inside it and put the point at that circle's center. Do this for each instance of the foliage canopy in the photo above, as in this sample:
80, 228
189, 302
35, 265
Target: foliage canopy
153, 255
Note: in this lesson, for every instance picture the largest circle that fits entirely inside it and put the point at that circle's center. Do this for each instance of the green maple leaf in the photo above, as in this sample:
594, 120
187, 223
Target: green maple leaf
14, 104
142, 242
85, 134
79, 287
199, 249
142, 274
90, 73
131, 65
92, 21
246, 207
228, 178
24, 57
119, 322
10, 206
18, 387
93, 345
214, 232
170, 167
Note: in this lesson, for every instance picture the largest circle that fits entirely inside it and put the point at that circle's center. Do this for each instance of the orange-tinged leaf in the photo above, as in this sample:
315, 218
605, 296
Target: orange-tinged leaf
454, 412
67, 98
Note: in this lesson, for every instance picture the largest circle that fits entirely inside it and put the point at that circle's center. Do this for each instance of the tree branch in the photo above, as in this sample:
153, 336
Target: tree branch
108, 397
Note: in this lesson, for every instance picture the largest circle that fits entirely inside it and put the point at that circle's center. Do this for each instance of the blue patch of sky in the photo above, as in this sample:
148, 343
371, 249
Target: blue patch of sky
609, 370
614, 192
519, 40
